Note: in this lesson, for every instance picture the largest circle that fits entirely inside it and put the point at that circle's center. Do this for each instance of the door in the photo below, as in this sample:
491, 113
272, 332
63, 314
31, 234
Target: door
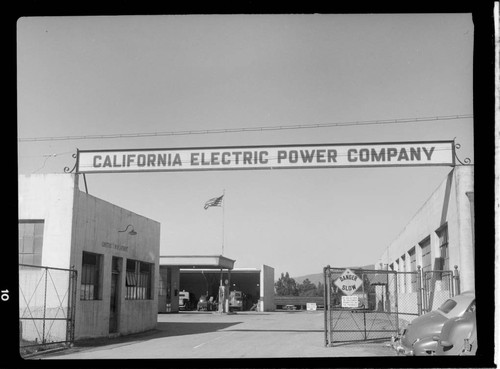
114, 295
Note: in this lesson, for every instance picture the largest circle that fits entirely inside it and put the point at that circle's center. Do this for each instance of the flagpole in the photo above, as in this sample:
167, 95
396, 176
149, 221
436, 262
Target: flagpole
223, 206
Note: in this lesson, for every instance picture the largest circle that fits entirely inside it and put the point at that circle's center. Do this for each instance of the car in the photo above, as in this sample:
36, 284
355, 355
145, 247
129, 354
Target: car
418, 338
183, 300
458, 336
236, 300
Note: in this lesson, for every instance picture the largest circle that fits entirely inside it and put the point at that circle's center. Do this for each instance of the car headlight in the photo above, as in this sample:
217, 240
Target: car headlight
414, 342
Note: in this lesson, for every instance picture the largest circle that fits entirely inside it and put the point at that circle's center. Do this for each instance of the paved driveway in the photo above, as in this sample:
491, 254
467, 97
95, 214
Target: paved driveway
212, 335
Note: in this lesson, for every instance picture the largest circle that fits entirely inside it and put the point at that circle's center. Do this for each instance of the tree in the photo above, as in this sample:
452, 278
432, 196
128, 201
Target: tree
307, 288
286, 286
320, 290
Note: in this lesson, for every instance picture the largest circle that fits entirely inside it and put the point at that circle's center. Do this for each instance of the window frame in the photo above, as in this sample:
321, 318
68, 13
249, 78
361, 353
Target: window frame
139, 280
412, 253
443, 246
425, 246
91, 279
31, 239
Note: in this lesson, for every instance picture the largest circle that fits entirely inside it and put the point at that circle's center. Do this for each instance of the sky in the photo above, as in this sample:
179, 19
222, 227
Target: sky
108, 75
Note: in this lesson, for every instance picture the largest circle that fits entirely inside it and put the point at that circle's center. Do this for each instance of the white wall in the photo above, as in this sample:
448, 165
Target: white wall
267, 288
97, 223
49, 197
447, 204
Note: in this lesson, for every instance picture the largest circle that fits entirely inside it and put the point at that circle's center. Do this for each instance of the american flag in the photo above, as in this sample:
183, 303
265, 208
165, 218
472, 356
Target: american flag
216, 201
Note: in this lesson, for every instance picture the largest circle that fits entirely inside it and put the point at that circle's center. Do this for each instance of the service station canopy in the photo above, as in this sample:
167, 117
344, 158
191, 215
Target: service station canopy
198, 262
391, 154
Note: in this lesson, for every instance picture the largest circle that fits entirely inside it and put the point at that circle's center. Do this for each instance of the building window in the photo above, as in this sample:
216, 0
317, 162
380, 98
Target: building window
403, 269
30, 242
444, 256
398, 276
91, 276
413, 269
138, 280
443, 247
425, 245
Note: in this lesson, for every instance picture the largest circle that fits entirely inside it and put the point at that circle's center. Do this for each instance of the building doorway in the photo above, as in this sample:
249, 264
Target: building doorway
115, 293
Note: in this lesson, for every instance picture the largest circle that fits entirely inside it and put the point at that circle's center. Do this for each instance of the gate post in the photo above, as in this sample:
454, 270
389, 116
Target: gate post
396, 304
364, 324
325, 305
70, 329
44, 306
419, 290
328, 318
456, 277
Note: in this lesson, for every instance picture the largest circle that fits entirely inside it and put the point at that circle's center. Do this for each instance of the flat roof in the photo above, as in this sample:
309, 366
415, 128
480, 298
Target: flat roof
234, 270
197, 261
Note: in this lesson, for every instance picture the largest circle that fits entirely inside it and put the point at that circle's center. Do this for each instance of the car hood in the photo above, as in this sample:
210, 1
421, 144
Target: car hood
424, 326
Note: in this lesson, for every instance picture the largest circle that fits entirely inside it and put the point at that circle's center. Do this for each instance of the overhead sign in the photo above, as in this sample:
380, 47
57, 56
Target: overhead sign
268, 157
348, 282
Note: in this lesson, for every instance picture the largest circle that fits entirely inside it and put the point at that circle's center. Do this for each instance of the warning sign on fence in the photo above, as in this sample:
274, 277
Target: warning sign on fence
350, 301
348, 282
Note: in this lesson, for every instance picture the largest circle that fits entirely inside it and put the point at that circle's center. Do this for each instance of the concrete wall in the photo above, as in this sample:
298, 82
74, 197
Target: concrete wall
267, 288
97, 223
450, 205
49, 198
170, 277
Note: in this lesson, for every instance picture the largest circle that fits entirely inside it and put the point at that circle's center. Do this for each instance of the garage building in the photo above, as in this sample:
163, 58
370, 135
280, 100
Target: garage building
202, 275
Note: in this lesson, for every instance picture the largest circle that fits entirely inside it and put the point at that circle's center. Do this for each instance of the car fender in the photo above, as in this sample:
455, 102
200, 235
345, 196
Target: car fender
425, 346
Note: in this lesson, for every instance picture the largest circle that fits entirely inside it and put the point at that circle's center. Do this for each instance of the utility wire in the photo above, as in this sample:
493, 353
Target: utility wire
248, 129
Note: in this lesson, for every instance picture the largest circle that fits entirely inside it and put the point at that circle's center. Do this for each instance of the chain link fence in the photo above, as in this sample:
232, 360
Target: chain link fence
438, 286
363, 305
46, 308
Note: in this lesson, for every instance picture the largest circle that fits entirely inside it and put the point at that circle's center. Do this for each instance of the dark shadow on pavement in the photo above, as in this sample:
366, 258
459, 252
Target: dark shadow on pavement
276, 330
162, 330
245, 313
180, 329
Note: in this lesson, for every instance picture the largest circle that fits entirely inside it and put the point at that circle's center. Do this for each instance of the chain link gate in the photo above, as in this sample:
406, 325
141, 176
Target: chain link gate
47, 299
368, 312
382, 302
439, 286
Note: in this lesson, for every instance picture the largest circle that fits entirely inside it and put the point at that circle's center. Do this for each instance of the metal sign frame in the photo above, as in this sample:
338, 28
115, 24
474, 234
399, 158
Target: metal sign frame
302, 156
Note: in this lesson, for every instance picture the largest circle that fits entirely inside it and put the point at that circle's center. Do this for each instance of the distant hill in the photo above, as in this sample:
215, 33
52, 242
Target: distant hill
315, 278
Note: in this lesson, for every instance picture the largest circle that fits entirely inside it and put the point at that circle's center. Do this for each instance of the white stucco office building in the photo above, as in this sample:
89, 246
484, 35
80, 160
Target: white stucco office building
440, 236
114, 251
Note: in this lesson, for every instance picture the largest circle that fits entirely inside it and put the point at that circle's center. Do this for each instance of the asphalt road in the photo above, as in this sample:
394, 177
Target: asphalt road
189, 335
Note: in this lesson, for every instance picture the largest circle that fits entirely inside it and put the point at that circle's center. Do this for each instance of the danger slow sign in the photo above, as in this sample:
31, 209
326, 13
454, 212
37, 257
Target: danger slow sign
348, 282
